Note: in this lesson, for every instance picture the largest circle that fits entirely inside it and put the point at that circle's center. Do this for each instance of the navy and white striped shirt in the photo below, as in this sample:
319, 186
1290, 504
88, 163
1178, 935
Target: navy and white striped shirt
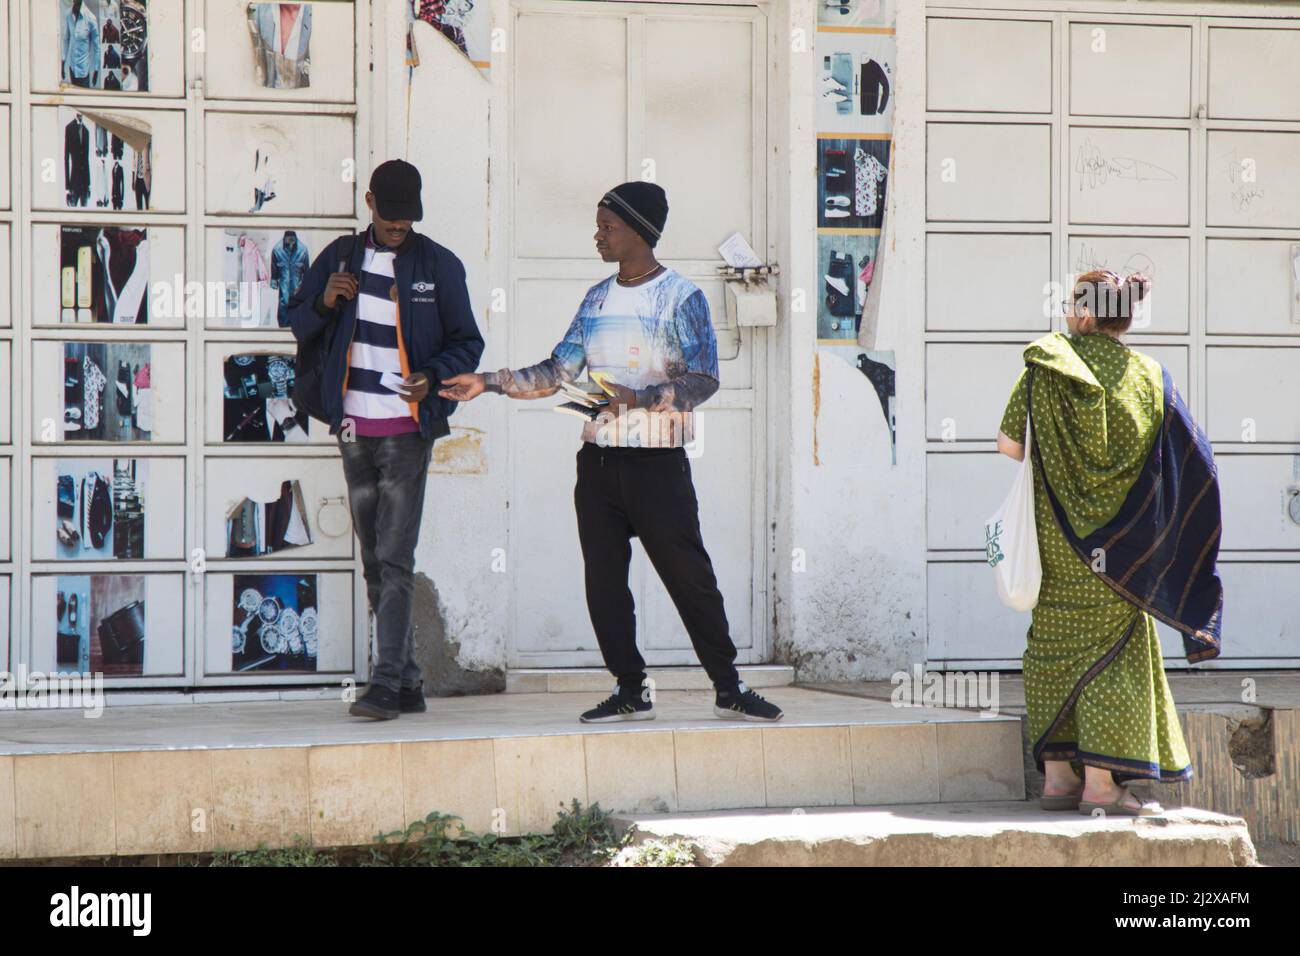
376, 409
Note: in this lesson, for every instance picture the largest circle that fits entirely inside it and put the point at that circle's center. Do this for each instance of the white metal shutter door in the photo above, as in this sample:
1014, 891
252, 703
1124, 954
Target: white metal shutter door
681, 97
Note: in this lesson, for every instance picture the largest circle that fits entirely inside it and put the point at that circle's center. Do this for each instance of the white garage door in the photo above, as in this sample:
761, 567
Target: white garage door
677, 95
1163, 144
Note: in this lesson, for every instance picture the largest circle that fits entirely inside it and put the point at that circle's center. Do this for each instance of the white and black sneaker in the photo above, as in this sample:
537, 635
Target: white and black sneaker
626, 703
744, 704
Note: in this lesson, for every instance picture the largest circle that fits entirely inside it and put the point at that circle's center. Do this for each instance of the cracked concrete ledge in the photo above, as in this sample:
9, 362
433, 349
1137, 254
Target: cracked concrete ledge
968, 834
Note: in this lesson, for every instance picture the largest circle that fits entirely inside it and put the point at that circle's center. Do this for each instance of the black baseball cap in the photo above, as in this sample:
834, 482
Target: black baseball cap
396, 187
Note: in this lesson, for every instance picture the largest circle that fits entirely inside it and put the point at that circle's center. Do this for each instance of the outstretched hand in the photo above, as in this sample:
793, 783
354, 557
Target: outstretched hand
463, 387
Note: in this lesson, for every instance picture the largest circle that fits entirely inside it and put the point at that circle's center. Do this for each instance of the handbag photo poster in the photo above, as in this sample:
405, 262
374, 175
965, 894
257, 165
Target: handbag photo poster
101, 622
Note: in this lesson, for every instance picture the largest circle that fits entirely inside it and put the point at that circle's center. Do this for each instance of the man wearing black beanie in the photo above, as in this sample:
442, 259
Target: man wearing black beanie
646, 338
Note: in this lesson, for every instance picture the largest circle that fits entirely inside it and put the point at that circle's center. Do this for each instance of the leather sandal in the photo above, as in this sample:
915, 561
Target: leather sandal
1117, 807
1059, 801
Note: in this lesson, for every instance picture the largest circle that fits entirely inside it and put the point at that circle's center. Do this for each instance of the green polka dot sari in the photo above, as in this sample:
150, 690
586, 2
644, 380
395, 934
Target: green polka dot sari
1095, 687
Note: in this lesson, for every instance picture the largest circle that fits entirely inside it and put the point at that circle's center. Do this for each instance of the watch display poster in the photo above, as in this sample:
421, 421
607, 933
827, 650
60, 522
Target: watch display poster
100, 624
100, 508
262, 270
104, 45
103, 275
258, 404
274, 622
107, 392
107, 160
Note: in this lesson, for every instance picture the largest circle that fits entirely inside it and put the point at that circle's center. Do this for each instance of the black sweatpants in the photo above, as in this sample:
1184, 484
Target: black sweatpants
647, 493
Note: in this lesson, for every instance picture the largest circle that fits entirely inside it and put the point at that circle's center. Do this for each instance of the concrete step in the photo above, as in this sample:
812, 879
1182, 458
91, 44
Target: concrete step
589, 680
1002, 833
275, 771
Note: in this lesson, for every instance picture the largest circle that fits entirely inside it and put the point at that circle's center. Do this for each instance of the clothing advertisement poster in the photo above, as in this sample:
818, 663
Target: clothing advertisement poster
107, 157
848, 262
855, 84
258, 404
262, 270
856, 53
281, 34
878, 368
852, 175
263, 175
855, 13
104, 275
274, 624
107, 392
104, 44
99, 513
255, 528
465, 24
100, 624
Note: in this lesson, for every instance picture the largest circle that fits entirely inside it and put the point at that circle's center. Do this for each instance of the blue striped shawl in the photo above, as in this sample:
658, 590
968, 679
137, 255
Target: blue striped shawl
1160, 549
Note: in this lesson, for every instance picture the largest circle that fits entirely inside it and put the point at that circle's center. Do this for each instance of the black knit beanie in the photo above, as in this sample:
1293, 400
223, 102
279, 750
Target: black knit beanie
643, 206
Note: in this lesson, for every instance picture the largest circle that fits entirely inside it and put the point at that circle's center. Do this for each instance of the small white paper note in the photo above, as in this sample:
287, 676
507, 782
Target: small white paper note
738, 253
393, 381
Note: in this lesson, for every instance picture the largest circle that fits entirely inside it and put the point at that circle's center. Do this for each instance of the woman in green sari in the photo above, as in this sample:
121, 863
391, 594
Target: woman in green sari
1095, 688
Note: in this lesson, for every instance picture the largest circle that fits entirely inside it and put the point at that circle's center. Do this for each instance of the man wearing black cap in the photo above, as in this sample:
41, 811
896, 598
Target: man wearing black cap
398, 308
645, 335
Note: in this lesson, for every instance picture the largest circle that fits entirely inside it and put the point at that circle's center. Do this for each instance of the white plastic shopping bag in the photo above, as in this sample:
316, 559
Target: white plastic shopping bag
1011, 541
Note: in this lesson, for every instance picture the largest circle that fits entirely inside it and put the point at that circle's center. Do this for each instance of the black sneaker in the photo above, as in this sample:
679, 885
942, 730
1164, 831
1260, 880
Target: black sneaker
377, 703
744, 704
410, 700
626, 703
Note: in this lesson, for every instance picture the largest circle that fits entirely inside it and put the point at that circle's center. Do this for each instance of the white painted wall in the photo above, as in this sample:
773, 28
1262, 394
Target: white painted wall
857, 611
447, 138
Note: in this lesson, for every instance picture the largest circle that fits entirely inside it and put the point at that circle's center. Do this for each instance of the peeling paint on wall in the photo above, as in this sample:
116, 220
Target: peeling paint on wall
437, 656
460, 453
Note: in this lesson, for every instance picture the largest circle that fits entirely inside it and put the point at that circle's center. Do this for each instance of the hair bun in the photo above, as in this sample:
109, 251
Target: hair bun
1139, 285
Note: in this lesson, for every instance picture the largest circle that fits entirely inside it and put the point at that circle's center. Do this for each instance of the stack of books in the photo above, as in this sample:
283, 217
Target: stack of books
585, 399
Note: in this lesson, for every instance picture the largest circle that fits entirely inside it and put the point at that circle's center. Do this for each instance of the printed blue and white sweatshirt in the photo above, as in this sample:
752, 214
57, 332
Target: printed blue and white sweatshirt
656, 339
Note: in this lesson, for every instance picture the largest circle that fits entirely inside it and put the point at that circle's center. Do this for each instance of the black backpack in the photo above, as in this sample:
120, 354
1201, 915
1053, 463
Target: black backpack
309, 366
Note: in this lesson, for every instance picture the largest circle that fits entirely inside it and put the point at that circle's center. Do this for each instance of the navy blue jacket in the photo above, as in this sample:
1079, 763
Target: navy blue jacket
437, 334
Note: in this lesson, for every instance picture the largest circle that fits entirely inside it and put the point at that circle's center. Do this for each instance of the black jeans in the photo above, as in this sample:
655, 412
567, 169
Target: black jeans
386, 479
647, 493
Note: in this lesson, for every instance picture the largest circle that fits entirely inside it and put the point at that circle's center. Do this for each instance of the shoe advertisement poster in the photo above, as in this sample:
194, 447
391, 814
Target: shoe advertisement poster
104, 275
107, 392
100, 508
274, 623
101, 624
